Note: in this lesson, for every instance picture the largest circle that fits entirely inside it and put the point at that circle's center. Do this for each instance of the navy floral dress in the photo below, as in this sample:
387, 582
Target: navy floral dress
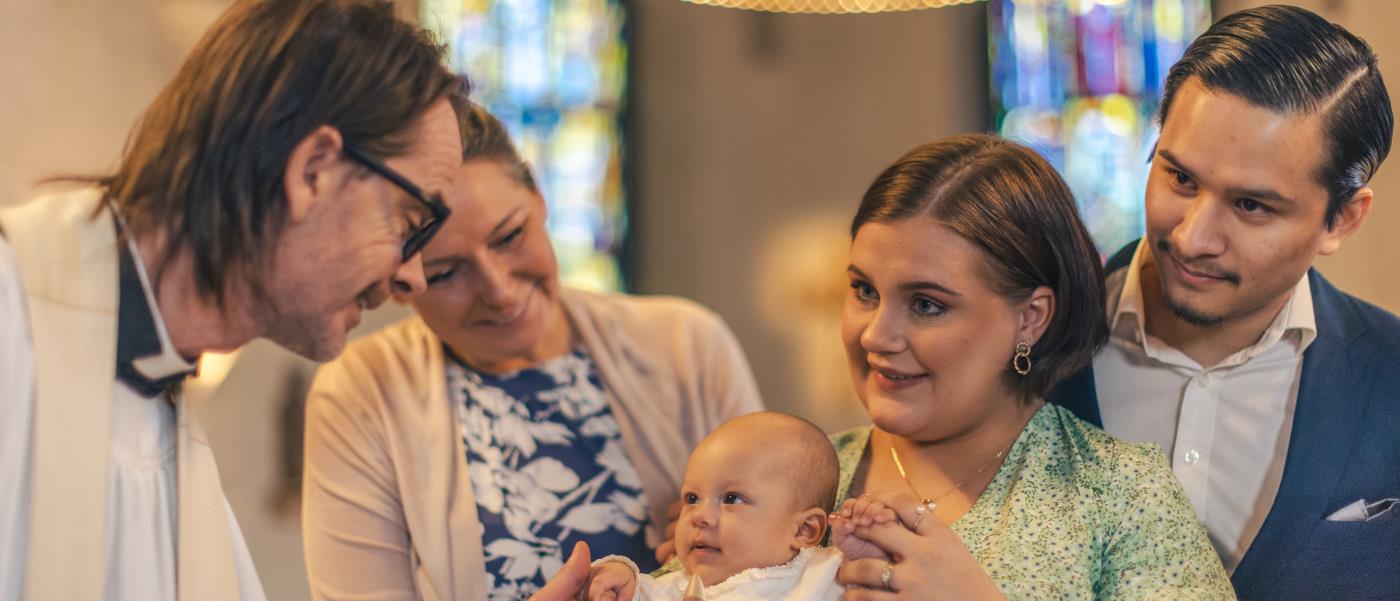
548, 468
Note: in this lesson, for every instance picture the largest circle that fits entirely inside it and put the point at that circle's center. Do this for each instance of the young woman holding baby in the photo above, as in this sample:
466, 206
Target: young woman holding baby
974, 289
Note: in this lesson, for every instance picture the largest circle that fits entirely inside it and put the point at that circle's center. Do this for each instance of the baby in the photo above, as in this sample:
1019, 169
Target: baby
754, 508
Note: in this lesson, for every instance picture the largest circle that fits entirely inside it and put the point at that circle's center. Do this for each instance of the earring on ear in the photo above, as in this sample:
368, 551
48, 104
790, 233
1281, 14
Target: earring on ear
1022, 361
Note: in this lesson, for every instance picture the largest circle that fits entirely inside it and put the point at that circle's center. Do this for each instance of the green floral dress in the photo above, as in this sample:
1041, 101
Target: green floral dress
1074, 513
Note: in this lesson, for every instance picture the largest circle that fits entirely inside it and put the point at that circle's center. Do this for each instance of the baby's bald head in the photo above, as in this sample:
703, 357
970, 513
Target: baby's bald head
793, 451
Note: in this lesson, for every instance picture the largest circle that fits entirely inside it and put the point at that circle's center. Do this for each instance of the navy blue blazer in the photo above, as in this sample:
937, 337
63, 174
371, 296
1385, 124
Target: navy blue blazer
1345, 445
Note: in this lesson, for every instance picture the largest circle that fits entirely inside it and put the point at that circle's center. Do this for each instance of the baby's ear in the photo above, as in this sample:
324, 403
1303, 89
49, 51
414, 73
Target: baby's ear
811, 529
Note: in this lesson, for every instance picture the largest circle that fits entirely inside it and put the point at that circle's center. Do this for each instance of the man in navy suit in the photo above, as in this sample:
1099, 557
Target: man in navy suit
1275, 396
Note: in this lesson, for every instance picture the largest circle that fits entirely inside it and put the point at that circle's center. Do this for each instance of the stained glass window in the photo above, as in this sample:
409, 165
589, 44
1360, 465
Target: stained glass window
554, 72
1080, 81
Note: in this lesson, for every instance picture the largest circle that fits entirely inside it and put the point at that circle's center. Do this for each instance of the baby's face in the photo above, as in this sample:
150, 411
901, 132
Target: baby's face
737, 510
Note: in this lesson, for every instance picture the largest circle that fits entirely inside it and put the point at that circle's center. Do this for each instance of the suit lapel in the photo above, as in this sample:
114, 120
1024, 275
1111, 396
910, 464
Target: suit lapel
1324, 424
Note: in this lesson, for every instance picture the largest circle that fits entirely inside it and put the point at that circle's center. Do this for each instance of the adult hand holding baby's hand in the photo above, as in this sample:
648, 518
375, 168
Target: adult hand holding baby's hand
929, 561
853, 513
612, 581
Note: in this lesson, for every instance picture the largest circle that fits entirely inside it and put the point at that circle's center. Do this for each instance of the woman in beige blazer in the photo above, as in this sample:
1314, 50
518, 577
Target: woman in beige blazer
461, 453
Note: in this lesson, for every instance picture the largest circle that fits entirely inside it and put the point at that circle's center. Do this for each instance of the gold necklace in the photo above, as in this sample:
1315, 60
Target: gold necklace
931, 503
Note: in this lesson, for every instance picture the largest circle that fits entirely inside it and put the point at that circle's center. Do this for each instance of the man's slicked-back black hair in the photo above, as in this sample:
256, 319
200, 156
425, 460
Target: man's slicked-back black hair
1291, 60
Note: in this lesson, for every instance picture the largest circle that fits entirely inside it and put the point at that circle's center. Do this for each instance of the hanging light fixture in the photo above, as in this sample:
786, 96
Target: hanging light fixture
826, 7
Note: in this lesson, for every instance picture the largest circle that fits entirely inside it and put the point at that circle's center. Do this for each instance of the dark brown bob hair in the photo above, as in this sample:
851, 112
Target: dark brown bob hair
204, 165
1007, 200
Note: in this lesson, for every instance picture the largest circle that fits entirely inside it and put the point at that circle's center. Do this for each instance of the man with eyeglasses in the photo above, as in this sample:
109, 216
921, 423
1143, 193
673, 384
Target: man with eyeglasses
281, 184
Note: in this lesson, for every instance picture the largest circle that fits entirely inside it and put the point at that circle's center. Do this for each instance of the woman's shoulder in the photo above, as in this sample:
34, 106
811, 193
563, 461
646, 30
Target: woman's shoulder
408, 339
853, 439
1100, 461
670, 329
850, 447
400, 353
1138, 510
1119, 485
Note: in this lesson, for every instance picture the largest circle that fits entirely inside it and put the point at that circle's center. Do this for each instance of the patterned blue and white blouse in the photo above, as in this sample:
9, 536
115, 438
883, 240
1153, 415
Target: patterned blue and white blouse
548, 469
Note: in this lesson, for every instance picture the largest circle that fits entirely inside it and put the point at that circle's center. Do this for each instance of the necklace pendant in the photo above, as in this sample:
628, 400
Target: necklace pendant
923, 510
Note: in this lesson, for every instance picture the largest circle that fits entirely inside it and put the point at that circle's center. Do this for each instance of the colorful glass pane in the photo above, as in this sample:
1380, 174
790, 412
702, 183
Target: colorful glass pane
554, 72
1080, 81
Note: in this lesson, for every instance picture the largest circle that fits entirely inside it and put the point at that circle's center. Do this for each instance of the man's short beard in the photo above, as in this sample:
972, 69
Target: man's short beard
307, 335
1194, 317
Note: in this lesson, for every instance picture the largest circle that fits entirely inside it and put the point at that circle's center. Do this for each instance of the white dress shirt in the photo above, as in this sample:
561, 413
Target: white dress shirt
141, 483
1225, 427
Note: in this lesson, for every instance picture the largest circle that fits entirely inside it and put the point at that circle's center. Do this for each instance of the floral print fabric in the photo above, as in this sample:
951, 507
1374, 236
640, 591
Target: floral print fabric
1074, 513
548, 468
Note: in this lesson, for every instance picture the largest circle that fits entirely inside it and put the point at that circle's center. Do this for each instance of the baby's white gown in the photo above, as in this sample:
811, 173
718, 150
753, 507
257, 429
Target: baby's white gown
811, 576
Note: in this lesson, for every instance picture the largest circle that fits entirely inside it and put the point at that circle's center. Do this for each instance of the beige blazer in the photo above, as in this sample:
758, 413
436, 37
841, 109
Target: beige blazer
67, 255
388, 511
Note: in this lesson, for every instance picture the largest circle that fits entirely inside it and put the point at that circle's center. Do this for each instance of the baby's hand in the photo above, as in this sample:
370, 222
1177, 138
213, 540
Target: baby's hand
612, 581
866, 511
859, 512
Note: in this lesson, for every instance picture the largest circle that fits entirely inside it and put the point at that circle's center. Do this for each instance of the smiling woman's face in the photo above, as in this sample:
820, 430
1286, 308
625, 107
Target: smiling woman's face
927, 340
493, 282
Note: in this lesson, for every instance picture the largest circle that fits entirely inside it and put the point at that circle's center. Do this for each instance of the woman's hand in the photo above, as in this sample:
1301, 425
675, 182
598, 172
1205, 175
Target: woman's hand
567, 584
929, 560
667, 549
611, 581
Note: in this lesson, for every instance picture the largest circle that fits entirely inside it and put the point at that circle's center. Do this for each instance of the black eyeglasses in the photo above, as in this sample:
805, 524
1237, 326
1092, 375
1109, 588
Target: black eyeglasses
419, 237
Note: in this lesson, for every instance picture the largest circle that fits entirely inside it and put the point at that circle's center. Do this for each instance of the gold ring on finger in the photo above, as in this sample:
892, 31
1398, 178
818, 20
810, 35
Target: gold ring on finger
885, 576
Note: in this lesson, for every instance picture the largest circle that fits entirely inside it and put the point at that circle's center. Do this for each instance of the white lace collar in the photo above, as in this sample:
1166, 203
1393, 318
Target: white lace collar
783, 570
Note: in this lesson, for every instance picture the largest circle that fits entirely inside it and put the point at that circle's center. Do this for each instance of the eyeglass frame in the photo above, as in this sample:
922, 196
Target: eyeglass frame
420, 235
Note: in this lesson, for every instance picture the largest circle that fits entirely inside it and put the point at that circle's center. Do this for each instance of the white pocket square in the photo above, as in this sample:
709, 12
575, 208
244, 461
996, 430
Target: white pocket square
1361, 511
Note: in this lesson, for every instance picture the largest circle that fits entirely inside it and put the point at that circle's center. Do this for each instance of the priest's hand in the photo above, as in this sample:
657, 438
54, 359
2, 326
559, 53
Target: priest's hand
566, 585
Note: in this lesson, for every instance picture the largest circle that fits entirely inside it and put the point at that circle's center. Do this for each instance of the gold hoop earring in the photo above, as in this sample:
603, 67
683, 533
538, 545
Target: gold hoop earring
1022, 361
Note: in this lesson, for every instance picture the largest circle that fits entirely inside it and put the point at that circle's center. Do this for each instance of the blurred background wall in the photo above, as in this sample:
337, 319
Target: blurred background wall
753, 138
